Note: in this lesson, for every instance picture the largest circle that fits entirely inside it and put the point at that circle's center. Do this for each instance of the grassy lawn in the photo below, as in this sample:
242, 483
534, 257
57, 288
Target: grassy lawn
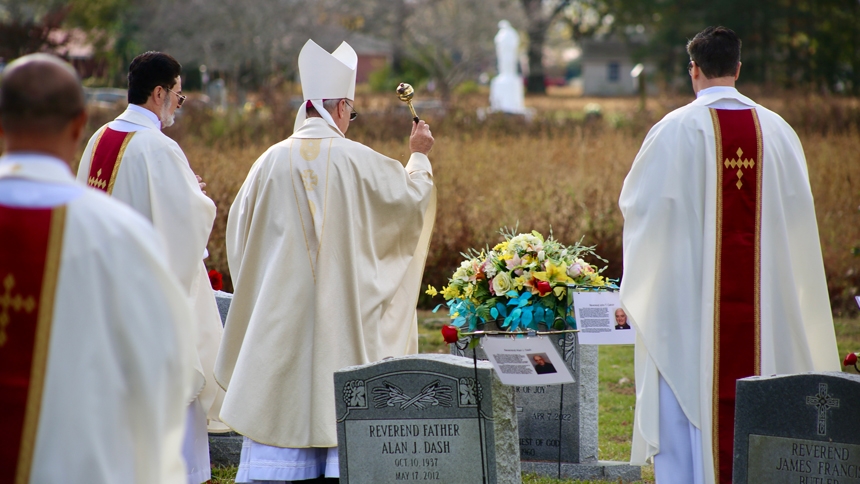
616, 393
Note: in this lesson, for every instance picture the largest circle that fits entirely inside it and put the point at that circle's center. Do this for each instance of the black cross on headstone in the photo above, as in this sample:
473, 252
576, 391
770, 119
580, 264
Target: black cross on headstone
822, 401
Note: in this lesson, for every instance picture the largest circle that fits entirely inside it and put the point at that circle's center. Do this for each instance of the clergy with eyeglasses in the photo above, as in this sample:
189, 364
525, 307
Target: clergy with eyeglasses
326, 242
132, 161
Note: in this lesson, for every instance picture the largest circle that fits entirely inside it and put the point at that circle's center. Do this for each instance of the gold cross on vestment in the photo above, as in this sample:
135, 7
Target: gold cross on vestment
96, 181
16, 302
739, 163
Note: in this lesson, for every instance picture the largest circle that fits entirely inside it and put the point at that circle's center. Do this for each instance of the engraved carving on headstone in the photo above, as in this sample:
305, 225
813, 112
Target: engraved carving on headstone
433, 394
355, 394
470, 392
568, 346
822, 401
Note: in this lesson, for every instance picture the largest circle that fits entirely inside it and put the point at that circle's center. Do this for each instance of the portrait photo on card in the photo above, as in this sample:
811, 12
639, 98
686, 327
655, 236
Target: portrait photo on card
542, 364
621, 319
526, 361
601, 320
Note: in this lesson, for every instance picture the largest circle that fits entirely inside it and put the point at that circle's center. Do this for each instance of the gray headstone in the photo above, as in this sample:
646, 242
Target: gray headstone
224, 448
223, 299
425, 418
799, 429
539, 409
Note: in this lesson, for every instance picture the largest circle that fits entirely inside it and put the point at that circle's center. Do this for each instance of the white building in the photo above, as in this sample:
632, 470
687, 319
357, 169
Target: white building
606, 66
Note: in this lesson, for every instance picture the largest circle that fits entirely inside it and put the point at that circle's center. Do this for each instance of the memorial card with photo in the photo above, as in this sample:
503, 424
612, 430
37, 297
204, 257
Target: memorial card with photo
601, 320
526, 360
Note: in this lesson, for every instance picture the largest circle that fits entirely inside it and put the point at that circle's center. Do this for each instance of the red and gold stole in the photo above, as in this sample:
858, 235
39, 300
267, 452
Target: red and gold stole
107, 156
737, 309
29, 264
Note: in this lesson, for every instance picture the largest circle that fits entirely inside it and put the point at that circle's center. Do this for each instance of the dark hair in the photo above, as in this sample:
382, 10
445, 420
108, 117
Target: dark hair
717, 52
39, 93
149, 70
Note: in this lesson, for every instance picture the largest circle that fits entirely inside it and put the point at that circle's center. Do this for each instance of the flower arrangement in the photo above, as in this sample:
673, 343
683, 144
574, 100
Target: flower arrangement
520, 283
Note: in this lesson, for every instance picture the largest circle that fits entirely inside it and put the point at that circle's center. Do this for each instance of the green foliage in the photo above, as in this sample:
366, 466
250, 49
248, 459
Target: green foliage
466, 87
798, 43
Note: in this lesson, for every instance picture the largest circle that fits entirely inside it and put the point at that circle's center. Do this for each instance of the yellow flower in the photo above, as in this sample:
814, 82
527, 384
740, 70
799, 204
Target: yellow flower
519, 282
556, 273
501, 246
467, 292
450, 292
431, 290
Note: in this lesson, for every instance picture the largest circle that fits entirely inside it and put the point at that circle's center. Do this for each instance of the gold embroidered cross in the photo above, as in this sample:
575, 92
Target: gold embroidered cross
17, 303
96, 181
739, 163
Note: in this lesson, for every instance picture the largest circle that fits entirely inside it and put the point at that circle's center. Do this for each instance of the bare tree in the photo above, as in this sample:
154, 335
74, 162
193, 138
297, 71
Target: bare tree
451, 39
540, 14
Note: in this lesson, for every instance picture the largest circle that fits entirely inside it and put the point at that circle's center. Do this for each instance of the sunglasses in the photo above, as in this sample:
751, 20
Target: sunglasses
179, 96
352, 114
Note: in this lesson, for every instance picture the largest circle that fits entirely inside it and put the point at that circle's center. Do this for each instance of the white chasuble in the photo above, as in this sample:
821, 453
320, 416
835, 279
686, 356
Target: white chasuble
148, 171
111, 372
671, 233
326, 242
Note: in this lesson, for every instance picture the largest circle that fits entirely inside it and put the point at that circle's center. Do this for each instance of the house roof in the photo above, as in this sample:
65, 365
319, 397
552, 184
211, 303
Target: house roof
604, 49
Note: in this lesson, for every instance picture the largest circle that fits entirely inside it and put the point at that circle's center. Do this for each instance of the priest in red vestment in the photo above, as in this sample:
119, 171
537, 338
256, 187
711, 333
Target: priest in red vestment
131, 160
723, 274
95, 370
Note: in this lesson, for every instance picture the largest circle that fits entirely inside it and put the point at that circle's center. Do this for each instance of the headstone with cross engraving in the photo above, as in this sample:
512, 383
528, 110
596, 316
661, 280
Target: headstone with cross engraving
799, 429
429, 418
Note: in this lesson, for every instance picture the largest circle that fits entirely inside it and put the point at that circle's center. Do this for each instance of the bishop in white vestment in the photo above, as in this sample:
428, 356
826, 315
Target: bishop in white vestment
95, 368
133, 161
326, 243
723, 274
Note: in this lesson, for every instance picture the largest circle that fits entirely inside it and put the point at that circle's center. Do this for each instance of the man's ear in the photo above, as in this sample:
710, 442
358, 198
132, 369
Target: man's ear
738, 72
77, 126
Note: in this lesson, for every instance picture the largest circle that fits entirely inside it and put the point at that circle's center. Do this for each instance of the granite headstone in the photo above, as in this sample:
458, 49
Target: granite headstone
798, 429
430, 418
226, 447
558, 423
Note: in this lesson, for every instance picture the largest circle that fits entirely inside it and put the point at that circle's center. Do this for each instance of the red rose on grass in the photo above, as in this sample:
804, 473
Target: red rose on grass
850, 359
216, 280
450, 334
543, 288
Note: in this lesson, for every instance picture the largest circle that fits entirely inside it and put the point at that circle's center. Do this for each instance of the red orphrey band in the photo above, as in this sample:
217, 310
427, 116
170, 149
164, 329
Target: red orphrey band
737, 311
107, 156
29, 263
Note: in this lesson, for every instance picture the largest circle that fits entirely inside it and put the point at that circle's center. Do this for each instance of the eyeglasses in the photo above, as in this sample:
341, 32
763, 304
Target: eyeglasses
352, 114
180, 96
690, 66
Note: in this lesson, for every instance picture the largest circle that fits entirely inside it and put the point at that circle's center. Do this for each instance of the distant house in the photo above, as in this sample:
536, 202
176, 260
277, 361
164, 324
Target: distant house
606, 66
373, 54
75, 47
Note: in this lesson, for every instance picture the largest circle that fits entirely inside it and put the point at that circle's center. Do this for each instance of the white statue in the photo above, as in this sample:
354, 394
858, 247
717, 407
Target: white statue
506, 89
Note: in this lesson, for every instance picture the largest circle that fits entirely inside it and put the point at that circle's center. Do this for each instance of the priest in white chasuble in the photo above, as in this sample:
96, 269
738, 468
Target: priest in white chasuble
326, 242
723, 273
131, 160
95, 358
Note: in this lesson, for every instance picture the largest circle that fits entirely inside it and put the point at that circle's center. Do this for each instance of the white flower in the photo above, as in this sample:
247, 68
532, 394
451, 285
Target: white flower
502, 283
574, 270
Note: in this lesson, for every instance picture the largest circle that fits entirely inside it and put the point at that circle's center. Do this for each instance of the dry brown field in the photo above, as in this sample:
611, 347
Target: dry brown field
560, 171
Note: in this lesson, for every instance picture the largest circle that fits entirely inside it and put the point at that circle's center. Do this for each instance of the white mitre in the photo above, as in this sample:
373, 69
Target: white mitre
325, 76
